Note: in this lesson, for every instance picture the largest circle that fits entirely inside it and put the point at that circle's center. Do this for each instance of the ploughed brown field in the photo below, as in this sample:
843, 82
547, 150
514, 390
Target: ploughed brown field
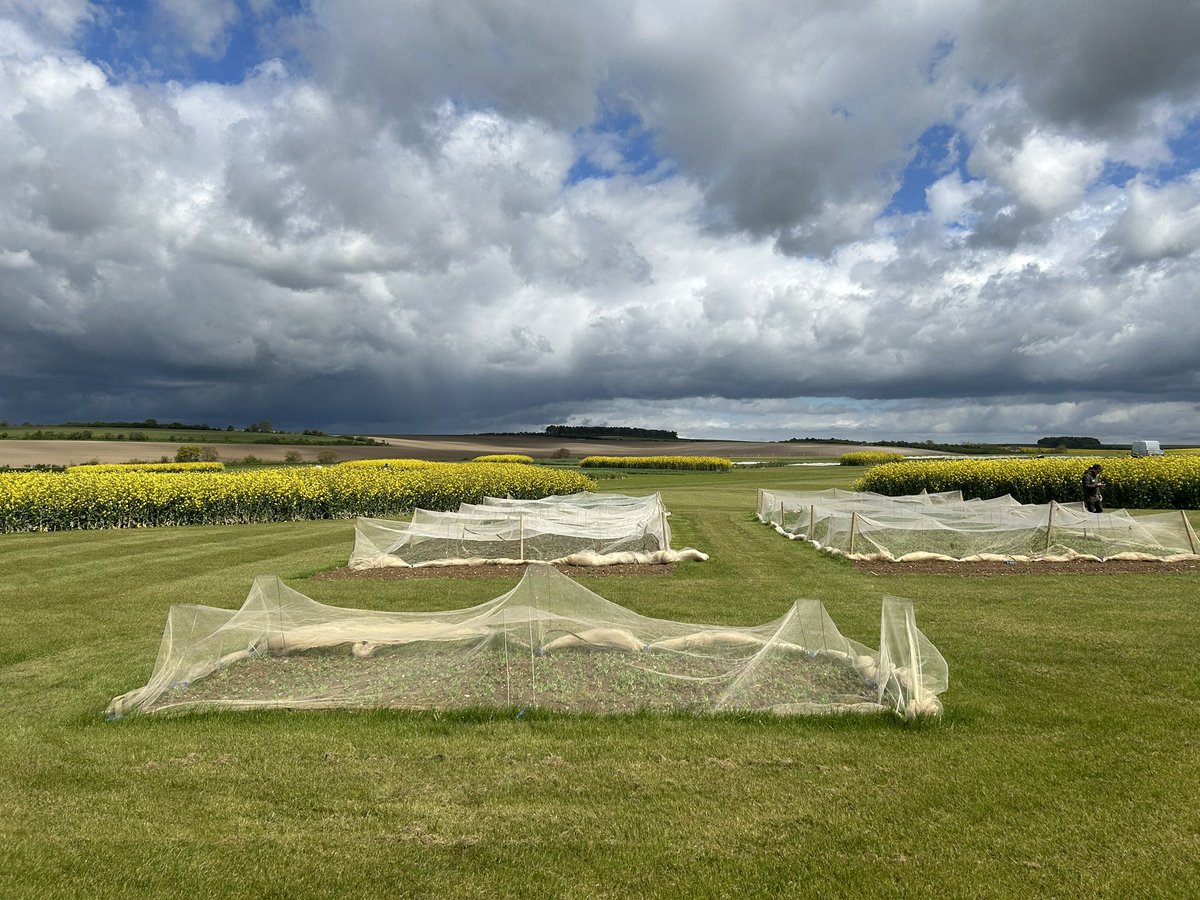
434, 447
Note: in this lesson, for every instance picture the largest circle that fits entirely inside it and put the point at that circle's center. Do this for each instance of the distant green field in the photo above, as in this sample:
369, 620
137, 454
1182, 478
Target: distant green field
1064, 766
172, 435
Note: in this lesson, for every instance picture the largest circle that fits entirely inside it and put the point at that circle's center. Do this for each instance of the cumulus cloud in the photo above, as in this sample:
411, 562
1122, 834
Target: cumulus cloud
482, 215
1046, 172
27, 22
1160, 221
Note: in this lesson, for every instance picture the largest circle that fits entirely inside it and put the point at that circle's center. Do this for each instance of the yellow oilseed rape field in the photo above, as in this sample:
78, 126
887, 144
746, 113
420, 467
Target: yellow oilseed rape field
702, 463
1161, 482
505, 458
86, 498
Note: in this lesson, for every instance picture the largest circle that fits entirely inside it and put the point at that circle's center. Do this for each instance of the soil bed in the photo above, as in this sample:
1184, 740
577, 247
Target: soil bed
988, 569
500, 674
489, 571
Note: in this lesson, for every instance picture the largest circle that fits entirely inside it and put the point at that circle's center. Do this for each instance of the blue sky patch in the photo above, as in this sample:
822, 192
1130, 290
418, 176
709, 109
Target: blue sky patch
940, 149
1116, 173
1185, 154
616, 143
135, 41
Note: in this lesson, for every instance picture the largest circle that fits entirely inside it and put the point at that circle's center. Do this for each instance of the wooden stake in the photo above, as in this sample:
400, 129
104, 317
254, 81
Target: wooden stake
522, 537
812, 522
1050, 524
853, 530
1187, 526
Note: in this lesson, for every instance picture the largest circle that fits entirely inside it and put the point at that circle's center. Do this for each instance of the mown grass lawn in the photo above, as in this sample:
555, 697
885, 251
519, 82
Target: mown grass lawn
1065, 764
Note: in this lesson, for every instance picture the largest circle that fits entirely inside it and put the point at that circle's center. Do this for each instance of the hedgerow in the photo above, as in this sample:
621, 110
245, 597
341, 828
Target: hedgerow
1162, 482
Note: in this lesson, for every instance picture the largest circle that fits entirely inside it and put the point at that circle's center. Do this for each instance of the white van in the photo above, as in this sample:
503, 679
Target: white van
1145, 448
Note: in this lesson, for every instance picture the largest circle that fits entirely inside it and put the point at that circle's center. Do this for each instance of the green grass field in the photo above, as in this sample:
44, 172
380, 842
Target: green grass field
1065, 764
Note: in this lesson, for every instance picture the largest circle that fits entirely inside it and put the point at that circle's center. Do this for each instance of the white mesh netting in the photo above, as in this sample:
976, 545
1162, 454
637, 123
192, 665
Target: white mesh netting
582, 529
944, 526
548, 643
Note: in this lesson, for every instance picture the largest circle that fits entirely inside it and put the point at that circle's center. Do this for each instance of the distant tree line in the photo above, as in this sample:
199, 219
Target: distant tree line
1071, 443
263, 425
149, 429
968, 448
610, 431
145, 423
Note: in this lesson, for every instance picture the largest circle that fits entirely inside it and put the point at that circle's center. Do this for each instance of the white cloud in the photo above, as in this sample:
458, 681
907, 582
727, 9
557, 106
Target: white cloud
382, 229
950, 199
1047, 172
56, 21
1161, 221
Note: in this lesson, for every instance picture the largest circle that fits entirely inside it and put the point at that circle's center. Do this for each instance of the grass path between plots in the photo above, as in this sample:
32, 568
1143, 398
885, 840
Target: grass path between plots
1064, 764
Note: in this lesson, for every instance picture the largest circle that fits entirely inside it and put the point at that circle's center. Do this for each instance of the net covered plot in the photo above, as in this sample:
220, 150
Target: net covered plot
548, 643
583, 529
944, 526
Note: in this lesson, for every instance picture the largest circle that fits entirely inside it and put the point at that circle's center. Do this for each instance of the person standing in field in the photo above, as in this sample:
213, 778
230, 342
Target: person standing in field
1092, 501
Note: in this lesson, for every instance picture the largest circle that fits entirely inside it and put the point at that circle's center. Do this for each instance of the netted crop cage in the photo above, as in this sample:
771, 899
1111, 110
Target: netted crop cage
584, 529
548, 643
944, 526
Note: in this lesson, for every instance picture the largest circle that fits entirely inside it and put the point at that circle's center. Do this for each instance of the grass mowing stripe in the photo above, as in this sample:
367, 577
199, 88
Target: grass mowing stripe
1064, 764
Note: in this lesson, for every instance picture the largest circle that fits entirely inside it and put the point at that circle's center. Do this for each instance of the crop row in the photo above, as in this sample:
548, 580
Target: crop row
706, 463
388, 464
50, 501
869, 458
150, 467
1163, 482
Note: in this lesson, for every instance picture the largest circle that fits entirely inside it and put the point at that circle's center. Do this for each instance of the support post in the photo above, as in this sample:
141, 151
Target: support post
853, 530
812, 521
1187, 527
1050, 524
522, 537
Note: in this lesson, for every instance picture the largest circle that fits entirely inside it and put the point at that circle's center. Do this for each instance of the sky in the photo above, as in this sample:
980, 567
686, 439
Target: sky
947, 220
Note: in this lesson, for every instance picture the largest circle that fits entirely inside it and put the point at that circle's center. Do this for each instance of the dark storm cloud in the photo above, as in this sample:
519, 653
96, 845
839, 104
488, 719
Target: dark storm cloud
1088, 63
407, 61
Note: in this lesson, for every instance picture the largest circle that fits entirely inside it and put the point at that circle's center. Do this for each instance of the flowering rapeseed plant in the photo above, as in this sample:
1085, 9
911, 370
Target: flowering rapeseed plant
1160, 482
